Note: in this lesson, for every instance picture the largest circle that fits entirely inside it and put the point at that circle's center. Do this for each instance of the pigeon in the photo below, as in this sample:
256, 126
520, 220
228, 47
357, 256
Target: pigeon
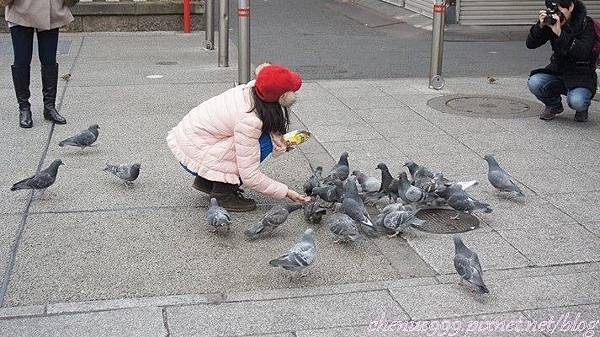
367, 184
408, 193
271, 220
41, 180
467, 266
83, 139
461, 201
127, 173
217, 217
354, 207
300, 256
330, 193
421, 176
313, 212
389, 185
340, 171
313, 181
343, 227
399, 221
491, 80
499, 178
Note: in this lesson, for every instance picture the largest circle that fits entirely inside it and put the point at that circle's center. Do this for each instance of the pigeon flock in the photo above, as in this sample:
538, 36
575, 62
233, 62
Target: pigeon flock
86, 138
348, 194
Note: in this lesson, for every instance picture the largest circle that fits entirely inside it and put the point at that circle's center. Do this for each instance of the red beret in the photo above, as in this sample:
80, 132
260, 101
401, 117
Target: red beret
273, 81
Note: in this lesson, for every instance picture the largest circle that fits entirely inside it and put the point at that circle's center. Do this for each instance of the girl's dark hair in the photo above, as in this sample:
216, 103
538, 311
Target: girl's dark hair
565, 3
274, 117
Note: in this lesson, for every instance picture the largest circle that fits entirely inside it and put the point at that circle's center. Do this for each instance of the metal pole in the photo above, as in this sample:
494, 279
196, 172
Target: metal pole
187, 13
223, 33
436, 80
210, 24
244, 41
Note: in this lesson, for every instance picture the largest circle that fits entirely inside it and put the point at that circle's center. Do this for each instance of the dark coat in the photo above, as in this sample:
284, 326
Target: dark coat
572, 59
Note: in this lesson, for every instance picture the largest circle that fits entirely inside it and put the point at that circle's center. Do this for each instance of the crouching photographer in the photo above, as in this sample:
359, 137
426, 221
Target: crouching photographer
572, 68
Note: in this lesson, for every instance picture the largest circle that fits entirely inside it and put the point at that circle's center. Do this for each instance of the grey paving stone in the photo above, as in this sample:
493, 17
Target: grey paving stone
505, 295
319, 104
579, 320
78, 307
261, 317
495, 142
157, 252
463, 326
403, 258
494, 252
554, 181
261, 295
332, 118
459, 125
513, 212
8, 234
365, 150
388, 115
526, 272
340, 133
129, 322
367, 102
593, 227
353, 93
581, 206
25, 311
435, 144
552, 244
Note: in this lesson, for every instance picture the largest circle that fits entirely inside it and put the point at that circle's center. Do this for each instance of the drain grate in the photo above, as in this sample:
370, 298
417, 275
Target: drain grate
439, 221
485, 106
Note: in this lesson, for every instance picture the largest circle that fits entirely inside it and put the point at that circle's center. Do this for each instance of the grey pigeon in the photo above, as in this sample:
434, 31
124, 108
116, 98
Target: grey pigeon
276, 216
468, 267
313, 181
354, 207
499, 178
367, 184
408, 193
461, 201
83, 139
217, 217
41, 180
340, 171
389, 185
399, 221
126, 172
343, 227
330, 193
300, 256
313, 212
421, 176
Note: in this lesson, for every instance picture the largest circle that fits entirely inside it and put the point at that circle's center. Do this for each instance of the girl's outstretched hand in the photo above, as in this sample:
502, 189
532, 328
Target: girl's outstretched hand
295, 196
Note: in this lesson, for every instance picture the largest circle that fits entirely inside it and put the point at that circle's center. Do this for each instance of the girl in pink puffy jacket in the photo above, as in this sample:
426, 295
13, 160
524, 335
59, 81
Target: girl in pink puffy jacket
223, 140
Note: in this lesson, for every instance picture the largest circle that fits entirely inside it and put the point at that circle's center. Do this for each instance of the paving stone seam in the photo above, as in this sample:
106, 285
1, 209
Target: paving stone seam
398, 303
166, 322
17, 241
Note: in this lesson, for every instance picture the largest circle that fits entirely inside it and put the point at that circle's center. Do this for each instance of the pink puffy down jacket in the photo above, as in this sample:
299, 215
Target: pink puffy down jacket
218, 139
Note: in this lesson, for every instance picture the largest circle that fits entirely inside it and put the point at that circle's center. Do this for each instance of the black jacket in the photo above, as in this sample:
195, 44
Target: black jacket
572, 58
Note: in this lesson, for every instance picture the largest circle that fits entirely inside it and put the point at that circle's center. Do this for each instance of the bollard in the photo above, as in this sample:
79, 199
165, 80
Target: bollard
244, 41
187, 13
223, 33
436, 81
209, 43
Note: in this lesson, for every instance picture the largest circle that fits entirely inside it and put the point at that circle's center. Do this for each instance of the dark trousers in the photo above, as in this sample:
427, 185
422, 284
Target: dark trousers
549, 88
22, 40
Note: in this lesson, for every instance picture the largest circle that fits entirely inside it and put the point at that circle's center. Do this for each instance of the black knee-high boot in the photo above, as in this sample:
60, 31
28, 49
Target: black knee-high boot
49, 84
20, 75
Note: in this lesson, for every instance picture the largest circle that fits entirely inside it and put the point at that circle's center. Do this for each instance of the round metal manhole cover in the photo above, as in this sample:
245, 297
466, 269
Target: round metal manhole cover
486, 106
439, 221
166, 63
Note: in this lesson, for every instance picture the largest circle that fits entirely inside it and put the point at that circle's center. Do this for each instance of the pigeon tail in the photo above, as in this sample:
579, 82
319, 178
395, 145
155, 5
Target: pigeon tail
21, 185
254, 232
275, 262
293, 207
481, 289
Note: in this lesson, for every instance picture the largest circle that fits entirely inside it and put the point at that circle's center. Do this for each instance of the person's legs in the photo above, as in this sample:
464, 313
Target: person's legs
22, 40
547, 88
579, 99
47, 45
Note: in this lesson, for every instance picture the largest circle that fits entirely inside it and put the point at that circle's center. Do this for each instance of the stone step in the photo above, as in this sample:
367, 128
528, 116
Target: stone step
130, 16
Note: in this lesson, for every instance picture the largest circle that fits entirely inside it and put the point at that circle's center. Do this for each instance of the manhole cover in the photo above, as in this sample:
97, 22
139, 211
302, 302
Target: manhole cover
439, 221
485, 106
166, 63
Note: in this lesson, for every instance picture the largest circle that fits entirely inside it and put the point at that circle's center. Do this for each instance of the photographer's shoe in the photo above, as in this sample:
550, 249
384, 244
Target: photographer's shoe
550, 112
202, 185
581, 116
